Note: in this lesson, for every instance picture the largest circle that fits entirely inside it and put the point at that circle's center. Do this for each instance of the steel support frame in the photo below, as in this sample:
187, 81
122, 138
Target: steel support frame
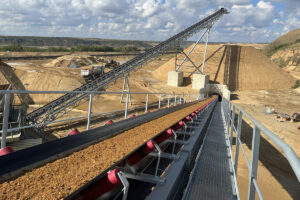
159, 101
147, 102
5, 119
186, 58
154, 179
124, 176
126, 88
89, 112
126, 106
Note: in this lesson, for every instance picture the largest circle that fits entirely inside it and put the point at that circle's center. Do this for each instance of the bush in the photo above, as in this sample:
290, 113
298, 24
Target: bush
128, 49
12, 48
281, 62
80, 48
296, 59
297, 84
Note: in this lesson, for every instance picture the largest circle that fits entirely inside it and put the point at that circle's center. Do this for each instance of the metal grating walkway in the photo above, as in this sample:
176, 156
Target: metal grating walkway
212, 176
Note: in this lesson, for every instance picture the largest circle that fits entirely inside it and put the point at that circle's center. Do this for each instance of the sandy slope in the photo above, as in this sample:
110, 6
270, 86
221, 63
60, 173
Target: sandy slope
239, 67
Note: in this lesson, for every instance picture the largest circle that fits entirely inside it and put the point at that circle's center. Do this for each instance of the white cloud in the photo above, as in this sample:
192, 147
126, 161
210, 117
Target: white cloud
290, 24
142, 19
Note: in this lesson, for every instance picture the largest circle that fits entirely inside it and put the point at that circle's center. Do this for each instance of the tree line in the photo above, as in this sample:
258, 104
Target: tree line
80, 48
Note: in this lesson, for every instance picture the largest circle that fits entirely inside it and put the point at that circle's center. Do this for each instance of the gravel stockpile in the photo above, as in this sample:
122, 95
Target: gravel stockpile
60, 178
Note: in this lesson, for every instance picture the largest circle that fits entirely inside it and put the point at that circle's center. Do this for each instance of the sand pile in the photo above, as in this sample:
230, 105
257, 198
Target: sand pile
78, 60
31, 77
48, 80
239, 67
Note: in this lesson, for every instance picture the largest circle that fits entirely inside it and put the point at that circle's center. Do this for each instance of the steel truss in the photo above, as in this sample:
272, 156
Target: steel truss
126, 89
51, 110
195, 69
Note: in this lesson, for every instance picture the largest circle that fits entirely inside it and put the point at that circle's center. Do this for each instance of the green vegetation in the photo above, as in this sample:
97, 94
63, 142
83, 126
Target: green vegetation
80, 48
297, 84
291, 39
68, 42
296, 59
128, 49
274, 49
19, 48
292, 60
92, 48
281, 62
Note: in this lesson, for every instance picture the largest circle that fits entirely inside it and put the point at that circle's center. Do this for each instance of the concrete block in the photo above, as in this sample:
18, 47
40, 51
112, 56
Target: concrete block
175, 78
200, 81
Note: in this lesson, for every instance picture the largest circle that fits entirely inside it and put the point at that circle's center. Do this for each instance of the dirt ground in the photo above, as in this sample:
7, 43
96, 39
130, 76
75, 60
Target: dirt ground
57, 179
275, 176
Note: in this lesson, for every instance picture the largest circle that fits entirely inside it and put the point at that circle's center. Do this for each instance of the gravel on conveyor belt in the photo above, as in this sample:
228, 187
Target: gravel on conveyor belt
58, 179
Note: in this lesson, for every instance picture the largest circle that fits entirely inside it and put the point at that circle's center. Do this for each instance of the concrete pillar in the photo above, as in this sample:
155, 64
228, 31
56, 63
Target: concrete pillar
200, 81
175, 78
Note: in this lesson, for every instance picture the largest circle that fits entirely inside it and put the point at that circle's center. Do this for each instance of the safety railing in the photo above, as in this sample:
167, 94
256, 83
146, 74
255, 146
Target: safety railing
164, 99
230, 110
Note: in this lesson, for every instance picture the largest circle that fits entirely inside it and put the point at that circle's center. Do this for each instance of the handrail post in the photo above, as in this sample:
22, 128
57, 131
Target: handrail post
168, 101
159, 99
5, 119
126, 105
123, 89
254, 162
175, 100
147, 99
228, 116
89, 112
232, 124
237, 141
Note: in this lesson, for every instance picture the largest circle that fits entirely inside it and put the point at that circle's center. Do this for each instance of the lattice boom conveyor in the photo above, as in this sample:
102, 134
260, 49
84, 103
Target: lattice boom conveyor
51, 110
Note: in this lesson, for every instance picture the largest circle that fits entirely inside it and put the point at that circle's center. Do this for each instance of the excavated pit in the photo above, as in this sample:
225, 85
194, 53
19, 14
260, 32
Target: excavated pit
58, 179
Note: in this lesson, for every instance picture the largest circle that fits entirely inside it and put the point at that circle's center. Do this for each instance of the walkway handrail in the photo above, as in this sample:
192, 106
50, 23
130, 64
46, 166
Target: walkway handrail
230, 110
78, 92
169, 98
290, 154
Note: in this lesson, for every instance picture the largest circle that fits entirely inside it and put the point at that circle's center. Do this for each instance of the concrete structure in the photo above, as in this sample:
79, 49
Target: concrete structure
200, 81
220, 89
175, 78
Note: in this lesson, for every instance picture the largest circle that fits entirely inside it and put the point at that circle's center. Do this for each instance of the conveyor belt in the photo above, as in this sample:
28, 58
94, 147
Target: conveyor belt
53, 109
212, 175
40, 154
177, 174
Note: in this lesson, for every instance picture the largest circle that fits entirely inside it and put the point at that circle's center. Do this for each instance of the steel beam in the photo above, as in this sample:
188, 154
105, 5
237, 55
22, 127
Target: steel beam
5, 119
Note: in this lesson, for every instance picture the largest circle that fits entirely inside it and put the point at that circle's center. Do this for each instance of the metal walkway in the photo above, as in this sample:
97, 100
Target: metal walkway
212, 176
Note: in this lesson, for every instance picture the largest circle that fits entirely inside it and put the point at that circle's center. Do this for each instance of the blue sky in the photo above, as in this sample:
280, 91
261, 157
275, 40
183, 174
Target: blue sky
248, 21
